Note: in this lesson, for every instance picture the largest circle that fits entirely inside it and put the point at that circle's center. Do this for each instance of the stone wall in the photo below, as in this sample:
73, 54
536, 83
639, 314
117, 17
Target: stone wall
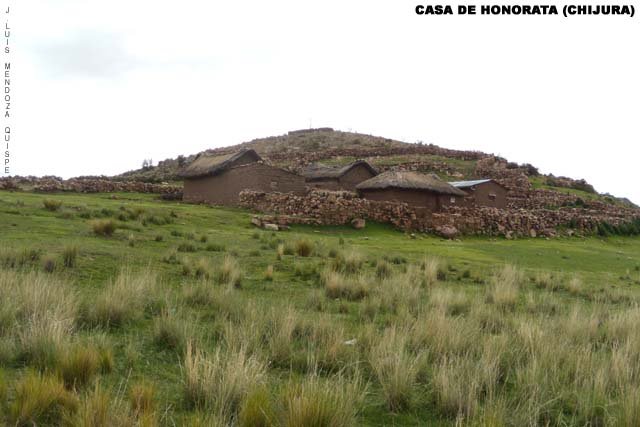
84, 185
338, 208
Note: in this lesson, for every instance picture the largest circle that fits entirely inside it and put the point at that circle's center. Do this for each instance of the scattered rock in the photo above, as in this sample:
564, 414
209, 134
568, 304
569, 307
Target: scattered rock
358, 223
447, 231
256, 221
271, 227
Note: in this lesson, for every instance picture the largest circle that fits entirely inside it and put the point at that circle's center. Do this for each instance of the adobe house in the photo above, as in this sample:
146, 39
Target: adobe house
339, 178
483, 192
415, 189
220, 179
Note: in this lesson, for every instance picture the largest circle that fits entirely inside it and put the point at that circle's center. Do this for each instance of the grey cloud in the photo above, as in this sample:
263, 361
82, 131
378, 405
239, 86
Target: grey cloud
84, 54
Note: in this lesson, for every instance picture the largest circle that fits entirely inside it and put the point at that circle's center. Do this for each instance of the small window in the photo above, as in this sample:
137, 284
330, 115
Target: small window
492, 196
453, 200
274, 185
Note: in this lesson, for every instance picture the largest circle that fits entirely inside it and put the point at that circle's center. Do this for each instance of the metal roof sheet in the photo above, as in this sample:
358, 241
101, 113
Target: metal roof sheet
467, 184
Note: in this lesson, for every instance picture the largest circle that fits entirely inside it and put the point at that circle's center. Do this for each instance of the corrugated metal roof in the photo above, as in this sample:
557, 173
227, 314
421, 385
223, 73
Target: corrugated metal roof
467, 184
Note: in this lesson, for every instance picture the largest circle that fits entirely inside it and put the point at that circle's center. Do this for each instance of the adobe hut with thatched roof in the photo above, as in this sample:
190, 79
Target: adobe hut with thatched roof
338, 178
415, 189
483, 192
219, 179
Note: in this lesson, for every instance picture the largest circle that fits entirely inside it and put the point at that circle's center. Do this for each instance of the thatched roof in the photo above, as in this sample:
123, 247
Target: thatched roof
318, 171
205, 165
409, 181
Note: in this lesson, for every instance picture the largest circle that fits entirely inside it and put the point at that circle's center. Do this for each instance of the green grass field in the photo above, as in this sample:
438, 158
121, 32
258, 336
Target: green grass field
187, 315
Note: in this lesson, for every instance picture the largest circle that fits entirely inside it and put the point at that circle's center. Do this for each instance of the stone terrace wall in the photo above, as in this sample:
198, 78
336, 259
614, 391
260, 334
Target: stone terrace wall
338, 208
85, 185
334, 208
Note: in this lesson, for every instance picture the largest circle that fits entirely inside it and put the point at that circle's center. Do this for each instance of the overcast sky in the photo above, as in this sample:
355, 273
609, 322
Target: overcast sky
99, 86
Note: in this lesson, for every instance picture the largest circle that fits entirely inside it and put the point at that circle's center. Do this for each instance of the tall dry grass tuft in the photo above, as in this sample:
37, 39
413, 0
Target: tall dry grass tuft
330, 348
142, 397
103, 227
337, 285
51, 204
38, 314
431, 271
94, 410
124, 300
304, 247
282, 328
69, 256
220, 381
316, 401
396, 368
41, 399
170, 331
229, 273
258, 410
78, 365
504, 288
349, 262
456, 386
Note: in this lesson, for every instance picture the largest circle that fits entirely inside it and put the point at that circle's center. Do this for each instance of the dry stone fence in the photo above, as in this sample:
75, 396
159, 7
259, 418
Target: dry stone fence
338, 208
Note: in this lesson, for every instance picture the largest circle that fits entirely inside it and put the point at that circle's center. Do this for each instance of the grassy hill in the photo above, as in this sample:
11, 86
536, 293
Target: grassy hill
297, 149
125, 310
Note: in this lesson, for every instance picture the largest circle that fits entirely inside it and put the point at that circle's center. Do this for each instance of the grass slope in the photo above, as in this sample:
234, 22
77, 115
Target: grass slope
427, 331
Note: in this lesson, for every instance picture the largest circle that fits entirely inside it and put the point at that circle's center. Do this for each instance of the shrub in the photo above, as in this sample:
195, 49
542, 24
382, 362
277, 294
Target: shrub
51, 205
304, 247
69, 256
78, 365
220, 381
315, 401
229, 273
41, 399
103, 227
280, 252
204, 238
159, 238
